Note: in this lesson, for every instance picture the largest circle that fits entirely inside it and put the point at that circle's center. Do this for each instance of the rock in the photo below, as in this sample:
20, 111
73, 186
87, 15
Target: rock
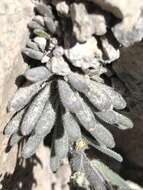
85, 51
16, 173
14, 16
86, 24
122, 8
129, 31
58, 51
129, 70
111, 53
61, 6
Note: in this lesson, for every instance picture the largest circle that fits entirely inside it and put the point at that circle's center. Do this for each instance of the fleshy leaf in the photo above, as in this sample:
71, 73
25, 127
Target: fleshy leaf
110, 175
31, 145
112, 117
24, 95
71, 126
37, 74
34, 111
13, 125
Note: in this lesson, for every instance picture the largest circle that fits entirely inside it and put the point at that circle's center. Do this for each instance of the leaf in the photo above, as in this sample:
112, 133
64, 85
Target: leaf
54, 163
34, 111
31, 145
51, 25
117, 100
44, 10
37, 55
37, 74
32, 45
34, 25
85, 115
109, 152
103, 148
24, 95
88, 121
60, 141
78, 82
14, 139
110, 175
80, 162
13, 125
116, 119
39, 19
98, 96
41, 33
46, 121
76, 161
103, 136
68, 97
71, 126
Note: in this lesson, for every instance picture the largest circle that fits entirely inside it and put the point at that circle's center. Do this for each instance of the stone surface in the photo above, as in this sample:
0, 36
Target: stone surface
86, 24
61, 6
80, 53
129, 30
14, 17
122, 8
111, 53
15, 173
43, 175
129, 69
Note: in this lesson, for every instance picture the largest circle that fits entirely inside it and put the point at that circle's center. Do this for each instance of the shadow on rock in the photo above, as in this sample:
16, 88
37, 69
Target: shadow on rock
22, 177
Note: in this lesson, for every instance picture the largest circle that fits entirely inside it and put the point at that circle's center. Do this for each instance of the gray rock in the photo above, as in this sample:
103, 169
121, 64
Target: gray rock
58, 51
128, 32
61, 6
109, 50
80, 52
130, 72
14, 16
86, 24
119, 8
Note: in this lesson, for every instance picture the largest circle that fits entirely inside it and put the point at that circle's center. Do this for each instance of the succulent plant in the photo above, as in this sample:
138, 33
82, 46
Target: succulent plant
66, 97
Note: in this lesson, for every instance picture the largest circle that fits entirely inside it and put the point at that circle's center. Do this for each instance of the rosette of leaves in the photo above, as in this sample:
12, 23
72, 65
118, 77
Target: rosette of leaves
60, 97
